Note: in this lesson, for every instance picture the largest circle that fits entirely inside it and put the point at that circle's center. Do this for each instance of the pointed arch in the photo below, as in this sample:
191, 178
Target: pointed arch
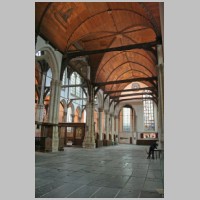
50, 58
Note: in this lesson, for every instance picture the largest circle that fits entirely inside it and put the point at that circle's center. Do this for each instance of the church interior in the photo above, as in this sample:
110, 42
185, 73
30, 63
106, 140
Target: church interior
99, 99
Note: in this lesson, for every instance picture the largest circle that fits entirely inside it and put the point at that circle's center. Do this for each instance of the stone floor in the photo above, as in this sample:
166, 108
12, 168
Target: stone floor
120, 171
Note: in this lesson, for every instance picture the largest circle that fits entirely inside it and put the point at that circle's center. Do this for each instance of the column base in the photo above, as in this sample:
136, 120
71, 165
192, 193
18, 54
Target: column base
55, 143
55, 139
89, 143
99, 143
107, 142
39, 112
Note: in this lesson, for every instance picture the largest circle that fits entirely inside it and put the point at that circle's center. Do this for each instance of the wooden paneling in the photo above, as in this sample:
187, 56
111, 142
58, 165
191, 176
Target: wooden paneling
74, 132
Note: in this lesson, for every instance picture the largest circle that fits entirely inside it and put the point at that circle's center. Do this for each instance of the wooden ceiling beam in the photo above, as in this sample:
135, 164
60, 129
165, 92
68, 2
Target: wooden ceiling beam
131, 90
146, 46
78, 85
146, 98
149, 79
135, 94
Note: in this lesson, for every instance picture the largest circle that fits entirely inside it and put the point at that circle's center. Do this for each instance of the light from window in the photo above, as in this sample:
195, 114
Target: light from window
73, 82
38, 53
149, 123
135, 85
48, 78
126, 119
76, 80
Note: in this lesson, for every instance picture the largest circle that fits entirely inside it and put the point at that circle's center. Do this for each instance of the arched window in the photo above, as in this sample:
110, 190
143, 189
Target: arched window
126, 119
75, 80
149, 122
38, 53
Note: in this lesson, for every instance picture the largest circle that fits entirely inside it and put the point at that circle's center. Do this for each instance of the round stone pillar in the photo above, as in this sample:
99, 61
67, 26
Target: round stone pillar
100, 124
54, 111
89, 140
112, 128
160, 70
72, 118
65, 114
107, 124
40, 106
117, 128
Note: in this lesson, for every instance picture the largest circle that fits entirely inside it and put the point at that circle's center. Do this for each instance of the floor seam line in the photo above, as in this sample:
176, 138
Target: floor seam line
75, 191
95, 192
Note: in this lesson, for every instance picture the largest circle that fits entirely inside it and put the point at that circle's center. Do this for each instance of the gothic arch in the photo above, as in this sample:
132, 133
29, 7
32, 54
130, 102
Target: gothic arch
63, 101
50, 58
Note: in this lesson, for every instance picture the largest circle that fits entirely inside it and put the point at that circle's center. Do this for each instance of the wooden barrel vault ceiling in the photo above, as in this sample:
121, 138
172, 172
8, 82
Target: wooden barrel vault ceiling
88, 26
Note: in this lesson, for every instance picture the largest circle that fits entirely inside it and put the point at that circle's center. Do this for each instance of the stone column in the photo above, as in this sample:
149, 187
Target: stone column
54, 101
54, 111
161, 9
40, 107
79, 118
156, 116
65, 114
72, 117
107, 124
89, 140
136, 128
100, 124
117, 128
112, 128
131, 125
160, 69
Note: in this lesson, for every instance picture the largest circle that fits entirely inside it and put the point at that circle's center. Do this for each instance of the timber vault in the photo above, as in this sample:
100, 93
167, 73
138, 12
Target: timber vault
110, 45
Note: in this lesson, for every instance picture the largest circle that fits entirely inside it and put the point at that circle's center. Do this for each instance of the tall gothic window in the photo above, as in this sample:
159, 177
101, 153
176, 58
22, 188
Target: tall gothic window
126, 119
149, 122
75, 80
